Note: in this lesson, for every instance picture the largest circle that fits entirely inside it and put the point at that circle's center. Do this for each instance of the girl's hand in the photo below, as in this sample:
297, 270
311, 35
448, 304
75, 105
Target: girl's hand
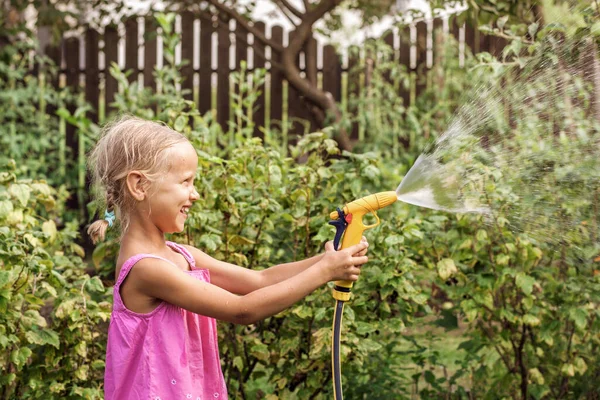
344, 264
329, 246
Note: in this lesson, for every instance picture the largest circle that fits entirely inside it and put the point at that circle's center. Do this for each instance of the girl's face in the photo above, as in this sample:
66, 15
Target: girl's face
174, 194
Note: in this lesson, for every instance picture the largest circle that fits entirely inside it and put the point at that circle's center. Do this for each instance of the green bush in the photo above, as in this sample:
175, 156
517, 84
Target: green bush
52, 313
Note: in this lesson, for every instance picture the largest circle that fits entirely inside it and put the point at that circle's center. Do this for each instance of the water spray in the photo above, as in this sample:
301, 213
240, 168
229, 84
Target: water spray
348, 222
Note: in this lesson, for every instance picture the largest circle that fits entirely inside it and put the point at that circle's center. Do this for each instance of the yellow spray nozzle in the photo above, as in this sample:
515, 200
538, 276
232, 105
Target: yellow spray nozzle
354, 213
367, 204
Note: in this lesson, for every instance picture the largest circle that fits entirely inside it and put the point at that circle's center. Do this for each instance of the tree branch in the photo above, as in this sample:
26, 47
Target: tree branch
291, 8
291, 53
286, 12
321, 99
522, 366
244, 22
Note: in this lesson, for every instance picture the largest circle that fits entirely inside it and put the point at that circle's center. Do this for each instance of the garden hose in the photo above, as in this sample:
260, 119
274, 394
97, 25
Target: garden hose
349, 223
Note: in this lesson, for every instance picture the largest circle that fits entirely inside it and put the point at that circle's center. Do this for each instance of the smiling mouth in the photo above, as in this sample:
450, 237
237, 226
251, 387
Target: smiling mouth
185, 211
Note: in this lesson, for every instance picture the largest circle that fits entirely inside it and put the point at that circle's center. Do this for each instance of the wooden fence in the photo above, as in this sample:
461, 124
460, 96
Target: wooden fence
213, 52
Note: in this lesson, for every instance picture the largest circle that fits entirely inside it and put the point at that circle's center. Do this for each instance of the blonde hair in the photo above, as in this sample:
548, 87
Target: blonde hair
127, 144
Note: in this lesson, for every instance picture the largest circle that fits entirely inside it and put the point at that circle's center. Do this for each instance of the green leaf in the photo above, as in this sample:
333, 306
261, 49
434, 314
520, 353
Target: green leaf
180, 123
568, 370
502, 259
303, 311
536, 376
579, 316
6, 207
238, 363
532, 29
446, 268
4, 278
531, 320
77, 249
82, 372
466, 244
429, 377
481, 235
502, 22
580, 365
32, 240
95, 285
525, 283
449, 321
49, 228
20, 192
20, 356
42, 337
81, 349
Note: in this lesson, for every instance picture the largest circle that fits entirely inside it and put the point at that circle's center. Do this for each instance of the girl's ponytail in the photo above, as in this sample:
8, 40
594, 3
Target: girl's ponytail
97, 230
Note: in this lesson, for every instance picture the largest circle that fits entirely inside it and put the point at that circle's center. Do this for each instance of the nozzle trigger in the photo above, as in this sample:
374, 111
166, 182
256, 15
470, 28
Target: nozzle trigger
340, 227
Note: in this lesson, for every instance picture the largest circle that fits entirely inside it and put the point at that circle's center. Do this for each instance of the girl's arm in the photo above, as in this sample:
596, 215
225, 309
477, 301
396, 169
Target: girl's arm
242, 281
160, 280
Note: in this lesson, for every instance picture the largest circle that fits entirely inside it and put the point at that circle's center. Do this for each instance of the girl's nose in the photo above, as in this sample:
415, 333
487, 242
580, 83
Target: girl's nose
195, 195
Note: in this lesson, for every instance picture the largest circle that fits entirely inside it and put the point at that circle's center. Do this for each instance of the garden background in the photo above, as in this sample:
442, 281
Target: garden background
450, 305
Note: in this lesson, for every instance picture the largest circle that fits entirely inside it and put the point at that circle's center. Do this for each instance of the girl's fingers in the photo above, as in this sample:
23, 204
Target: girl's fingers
360, 260
357, 248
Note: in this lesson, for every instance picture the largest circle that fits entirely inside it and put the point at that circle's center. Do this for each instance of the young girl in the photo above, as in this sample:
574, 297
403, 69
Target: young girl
162, 339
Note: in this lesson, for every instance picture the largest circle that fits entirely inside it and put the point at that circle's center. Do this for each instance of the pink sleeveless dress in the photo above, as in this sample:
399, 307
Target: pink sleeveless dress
169, 353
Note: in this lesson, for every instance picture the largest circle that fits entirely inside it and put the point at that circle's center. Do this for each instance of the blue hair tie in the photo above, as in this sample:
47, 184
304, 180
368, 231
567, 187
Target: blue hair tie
110, 217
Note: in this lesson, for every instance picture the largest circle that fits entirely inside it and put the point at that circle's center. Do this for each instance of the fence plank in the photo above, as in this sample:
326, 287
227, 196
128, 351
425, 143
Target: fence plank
438, 46
72, 71
299, 115
472, 38
404, 59
187, 54
131, 48
388, 38
72, 59
310, 68
54, 53
421, 62
111, 42
223, 76
354, 86
496, 46
438, 38
241, 45
150, 48
455, 26
332, 72
205, 89
241, 55
92, 73
276, 78
258, 61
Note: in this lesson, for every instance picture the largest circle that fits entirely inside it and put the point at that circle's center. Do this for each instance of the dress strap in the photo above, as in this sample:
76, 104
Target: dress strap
125, 269
184, 252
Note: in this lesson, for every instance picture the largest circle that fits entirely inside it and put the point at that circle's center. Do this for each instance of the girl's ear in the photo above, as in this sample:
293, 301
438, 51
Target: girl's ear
136, 186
